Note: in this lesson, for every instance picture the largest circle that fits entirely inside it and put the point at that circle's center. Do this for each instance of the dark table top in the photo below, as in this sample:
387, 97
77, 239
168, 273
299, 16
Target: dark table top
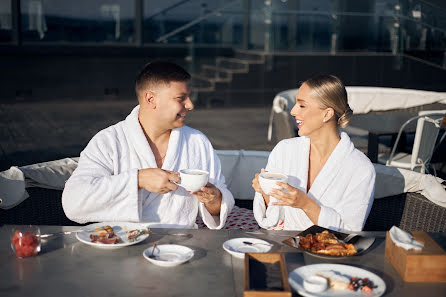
67, 267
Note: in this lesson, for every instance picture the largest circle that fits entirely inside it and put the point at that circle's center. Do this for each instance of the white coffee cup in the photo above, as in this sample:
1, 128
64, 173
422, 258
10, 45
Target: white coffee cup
193, 179
268, 181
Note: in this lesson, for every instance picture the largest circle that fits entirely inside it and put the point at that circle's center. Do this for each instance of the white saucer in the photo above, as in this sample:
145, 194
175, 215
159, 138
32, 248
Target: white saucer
237, 248
168, 255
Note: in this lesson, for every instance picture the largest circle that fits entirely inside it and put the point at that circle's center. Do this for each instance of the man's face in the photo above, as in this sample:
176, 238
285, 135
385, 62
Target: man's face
172, 104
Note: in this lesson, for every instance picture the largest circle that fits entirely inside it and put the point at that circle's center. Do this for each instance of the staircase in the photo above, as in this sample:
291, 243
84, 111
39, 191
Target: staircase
212, 83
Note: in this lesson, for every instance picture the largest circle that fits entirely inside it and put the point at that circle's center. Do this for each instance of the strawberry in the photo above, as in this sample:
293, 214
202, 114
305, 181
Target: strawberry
366, 289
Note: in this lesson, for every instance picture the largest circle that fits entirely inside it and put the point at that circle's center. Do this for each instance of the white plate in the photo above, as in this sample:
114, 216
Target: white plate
120, 229
237, 248
297, 276
168, 255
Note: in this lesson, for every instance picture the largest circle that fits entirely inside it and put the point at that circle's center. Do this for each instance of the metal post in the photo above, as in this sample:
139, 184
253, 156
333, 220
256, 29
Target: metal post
292, 25
16, 22
268, 47
138, 22
396, 32
444, 65
246, 23
336, 29
268, 26
190, 58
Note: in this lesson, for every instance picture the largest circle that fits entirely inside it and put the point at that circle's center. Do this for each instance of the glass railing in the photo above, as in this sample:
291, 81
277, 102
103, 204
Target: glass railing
416, 27
81, 21
423, 32
218, 23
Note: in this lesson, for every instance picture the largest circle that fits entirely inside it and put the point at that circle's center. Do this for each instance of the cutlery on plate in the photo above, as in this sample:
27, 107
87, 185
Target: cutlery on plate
296, 240
254, 243
349, 237
63, 233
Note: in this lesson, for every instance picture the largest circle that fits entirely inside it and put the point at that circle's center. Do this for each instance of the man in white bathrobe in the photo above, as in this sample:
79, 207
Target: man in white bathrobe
127, 170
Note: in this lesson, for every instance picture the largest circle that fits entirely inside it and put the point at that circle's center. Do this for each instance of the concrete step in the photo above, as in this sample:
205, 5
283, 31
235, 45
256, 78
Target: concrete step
232, 64
198, 82
216, 74
250, 56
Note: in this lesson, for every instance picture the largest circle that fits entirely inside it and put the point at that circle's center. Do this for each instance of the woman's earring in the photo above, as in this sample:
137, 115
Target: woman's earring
324, 120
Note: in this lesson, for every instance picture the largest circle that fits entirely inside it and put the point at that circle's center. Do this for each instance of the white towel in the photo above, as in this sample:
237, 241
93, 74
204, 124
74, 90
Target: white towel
12, 188
393, 181
405, 240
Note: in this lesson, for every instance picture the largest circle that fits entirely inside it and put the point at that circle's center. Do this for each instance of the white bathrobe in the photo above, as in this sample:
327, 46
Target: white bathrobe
343, 188
104, 187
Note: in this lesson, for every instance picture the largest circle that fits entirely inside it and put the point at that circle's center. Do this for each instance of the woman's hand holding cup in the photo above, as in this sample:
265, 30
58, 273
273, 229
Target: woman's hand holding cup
256, 183
269, 181
264, 183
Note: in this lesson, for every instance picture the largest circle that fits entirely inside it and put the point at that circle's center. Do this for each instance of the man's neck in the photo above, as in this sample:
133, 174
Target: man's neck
155, 134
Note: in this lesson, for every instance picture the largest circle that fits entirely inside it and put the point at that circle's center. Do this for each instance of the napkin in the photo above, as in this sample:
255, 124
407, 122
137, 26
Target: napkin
12, 188
403, 239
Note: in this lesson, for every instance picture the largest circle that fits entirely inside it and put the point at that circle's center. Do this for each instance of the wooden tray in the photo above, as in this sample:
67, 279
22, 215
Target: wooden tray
427, 265
266, 275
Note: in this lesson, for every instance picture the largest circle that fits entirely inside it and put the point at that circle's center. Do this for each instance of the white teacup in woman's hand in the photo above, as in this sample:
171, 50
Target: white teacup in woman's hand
268, 181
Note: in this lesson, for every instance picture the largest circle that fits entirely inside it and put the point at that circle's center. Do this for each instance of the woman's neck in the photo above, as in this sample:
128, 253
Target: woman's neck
324, 143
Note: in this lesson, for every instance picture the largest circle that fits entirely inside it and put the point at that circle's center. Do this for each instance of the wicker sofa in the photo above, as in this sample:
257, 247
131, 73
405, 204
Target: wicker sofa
409, 211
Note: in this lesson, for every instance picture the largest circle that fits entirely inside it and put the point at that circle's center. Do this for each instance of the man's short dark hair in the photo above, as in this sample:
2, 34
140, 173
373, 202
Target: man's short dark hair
160, 72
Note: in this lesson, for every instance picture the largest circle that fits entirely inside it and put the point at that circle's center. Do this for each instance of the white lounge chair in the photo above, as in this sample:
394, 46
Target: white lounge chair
426, 134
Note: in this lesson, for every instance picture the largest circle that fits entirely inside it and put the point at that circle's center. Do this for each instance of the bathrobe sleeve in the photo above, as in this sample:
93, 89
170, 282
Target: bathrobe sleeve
94, 192
354, 207
271, 216
218, 180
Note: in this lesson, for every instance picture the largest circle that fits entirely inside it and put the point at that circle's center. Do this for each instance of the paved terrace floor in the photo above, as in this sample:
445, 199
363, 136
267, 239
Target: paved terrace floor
32, 132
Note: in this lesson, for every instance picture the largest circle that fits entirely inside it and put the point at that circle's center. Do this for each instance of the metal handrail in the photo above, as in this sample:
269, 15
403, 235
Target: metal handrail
358, 14
167, 9
392, 153
195, 21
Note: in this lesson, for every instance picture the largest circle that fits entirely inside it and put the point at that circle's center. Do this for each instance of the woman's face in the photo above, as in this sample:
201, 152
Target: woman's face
307, 111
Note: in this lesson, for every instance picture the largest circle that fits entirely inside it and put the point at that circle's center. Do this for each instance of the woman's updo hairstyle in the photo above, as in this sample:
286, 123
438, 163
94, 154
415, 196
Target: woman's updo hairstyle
331, 93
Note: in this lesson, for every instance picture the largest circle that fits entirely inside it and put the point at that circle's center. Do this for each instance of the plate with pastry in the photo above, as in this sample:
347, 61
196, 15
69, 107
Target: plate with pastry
328, 280
113, 235
325, 243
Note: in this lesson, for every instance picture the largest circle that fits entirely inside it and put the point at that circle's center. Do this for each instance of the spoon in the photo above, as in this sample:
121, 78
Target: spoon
152, 256
253, 243
349, 237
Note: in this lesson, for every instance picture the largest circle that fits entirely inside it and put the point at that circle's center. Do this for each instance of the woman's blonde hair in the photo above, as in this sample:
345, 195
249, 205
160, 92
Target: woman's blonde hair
331, 93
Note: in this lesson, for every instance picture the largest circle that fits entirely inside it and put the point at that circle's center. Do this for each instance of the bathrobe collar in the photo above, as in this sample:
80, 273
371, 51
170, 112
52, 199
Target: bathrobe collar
331, 168
142, 146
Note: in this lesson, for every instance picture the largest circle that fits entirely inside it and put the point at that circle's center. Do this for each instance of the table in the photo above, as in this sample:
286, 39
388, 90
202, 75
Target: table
380, 124
66, 267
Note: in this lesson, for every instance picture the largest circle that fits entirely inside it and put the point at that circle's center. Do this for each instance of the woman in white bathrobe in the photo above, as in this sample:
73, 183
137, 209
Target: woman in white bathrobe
330, 183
